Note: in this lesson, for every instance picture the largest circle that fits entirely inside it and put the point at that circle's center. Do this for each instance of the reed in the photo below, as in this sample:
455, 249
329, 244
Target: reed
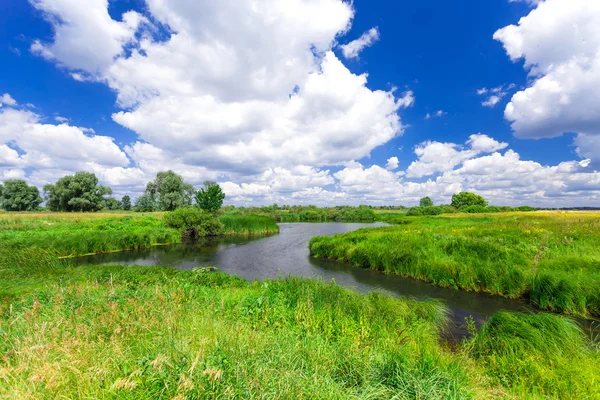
249, 225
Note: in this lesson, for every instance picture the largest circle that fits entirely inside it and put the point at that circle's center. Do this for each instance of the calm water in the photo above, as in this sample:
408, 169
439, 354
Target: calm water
286, 254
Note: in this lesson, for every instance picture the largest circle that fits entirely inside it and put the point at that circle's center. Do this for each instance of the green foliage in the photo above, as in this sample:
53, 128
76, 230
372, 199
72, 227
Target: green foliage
426, 202
474, 209
16, 195
420, 211
79, 192
111, 204
146, 203
194, 222
166, 193
467, 199
126, 203
210, 197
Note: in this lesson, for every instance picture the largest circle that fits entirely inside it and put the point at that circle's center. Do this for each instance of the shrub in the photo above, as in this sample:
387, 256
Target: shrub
194, 222
476, 209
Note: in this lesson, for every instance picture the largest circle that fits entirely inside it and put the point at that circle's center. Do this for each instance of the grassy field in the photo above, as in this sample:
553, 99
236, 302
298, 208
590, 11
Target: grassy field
74, 234
551, 258
127, 332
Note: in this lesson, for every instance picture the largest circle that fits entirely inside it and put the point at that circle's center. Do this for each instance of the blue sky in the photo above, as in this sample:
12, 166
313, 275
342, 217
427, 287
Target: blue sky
268, 101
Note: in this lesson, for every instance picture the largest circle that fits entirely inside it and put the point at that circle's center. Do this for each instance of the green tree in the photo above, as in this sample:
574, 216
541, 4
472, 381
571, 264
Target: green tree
111, 204
126, 203
79, 192
145, 203
210, 197
169, 191
16, 195
467, 199
426, 202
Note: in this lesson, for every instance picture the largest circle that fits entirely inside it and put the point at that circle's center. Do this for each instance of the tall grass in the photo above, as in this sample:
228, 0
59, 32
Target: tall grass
248, 225
543, 352
78, 234
551, 259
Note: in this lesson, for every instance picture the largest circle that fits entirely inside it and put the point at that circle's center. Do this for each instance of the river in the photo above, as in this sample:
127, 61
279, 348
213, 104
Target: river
287, 254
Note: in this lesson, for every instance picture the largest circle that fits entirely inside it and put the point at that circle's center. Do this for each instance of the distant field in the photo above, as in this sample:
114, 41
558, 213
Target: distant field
550, 258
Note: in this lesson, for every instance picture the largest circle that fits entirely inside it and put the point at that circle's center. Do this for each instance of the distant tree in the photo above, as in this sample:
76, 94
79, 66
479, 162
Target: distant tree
467, 199
169, 191
79, 192
16, 195
111, 204
126, 203
426, 202
210, 197
145, 203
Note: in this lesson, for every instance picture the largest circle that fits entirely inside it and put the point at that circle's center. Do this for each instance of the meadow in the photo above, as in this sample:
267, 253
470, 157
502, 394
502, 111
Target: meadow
76, 234
128, 332
552, 259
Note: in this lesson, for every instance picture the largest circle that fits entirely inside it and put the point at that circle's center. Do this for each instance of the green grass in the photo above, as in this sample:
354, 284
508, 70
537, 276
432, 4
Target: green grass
248, 225
552, 259
78, 234
517, 350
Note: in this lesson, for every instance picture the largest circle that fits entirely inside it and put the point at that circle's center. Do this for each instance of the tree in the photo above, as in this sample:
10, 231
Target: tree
467, 199
145, 203
79, 192
426, 202
16, 195
126, 203
169, 191
111, 204
210, 197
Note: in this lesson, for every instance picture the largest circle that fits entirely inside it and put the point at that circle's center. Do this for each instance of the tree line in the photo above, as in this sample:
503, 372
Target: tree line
82, 192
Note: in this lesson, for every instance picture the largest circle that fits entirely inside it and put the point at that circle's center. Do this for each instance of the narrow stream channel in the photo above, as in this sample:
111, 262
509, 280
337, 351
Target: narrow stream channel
286, 254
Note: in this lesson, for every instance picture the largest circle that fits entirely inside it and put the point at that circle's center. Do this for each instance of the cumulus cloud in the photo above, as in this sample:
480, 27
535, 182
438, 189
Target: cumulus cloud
54, 150
435, 157
355, 47
559, 44
392, 163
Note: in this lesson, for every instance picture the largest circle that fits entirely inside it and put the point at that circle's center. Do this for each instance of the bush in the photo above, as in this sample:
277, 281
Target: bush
194, 222
474, 209
419, 211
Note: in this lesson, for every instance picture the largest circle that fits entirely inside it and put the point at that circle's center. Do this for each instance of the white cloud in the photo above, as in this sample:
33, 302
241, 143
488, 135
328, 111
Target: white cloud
6, 99
355, 47
491, 101
496, 94
559, 43
86, 37
392, 164
530, 2
435, 157
438, 113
